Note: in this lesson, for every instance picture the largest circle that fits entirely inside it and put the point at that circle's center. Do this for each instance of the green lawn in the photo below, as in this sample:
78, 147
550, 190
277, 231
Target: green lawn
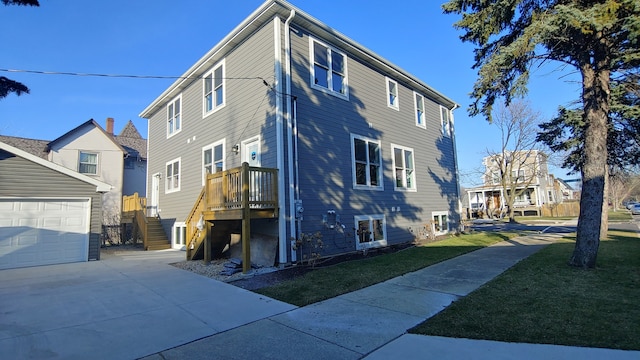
543, 300
325, 283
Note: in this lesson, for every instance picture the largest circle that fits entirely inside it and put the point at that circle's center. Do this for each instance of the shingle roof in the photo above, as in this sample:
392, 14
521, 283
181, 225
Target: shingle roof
131, 140
32, 146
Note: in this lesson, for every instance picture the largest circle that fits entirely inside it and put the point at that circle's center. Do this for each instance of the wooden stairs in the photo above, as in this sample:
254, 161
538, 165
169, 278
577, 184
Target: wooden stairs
147, 228
156, 238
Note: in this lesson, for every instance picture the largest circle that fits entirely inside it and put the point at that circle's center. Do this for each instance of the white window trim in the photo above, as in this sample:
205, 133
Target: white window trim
174, 242
415, 110
393, 160
215, 108
97, 154
344, 96
447, 131
166, 179
371, 244
175, 131
395, 106
380, 187
212, 146
433, 226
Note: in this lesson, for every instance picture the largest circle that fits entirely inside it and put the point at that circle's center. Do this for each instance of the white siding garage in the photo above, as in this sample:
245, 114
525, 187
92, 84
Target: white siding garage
40, 231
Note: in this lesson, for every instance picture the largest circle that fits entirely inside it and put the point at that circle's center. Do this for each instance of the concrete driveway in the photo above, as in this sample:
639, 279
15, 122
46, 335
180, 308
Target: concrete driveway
121, 307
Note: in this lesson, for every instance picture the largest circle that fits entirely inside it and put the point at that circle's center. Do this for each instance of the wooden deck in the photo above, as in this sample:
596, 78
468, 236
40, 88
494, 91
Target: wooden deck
241, 193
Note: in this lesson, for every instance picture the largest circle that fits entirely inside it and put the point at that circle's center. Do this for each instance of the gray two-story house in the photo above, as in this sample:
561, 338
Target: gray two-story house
358, 152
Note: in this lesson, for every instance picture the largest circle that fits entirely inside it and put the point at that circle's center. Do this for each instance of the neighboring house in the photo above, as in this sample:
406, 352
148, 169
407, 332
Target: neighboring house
530, 179
565, 191
49, 214
88, 149
364, 151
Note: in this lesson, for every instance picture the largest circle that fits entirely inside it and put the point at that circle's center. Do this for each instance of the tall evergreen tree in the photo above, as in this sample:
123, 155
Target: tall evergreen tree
598, 38
7, 85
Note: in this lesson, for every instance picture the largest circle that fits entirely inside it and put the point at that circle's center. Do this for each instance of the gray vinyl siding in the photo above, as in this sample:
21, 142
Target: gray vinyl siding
22, 178
249, 111
325, 123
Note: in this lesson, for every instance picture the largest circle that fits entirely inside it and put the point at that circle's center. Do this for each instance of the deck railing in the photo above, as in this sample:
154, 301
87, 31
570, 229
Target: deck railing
134, 203
223, 190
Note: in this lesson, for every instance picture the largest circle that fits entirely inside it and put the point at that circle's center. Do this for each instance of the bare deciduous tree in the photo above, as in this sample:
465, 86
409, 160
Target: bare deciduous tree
518, 162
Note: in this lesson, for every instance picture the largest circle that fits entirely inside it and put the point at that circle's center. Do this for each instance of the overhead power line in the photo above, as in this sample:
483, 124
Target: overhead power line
40, 72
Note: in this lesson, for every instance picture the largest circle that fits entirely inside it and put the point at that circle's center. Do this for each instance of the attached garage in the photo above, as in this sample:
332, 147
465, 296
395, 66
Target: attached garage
48, 214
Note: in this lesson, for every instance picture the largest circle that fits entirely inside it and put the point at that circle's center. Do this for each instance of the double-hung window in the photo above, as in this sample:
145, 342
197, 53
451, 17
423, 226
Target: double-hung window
371, 231
174, 124
403, 165
328, 69
440, 222
419, 103
88, 163
392, 94
517, 176
212, 159
214, 89
366, 163
173, 176
445, 120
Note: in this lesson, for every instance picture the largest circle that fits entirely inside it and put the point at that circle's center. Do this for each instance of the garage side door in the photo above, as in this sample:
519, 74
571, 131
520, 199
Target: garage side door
43, 231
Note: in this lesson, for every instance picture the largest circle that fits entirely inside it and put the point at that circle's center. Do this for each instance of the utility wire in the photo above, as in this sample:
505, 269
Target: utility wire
120, 75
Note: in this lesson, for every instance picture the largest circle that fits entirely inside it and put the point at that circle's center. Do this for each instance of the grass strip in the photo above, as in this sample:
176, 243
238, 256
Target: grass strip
325, 283
543, 300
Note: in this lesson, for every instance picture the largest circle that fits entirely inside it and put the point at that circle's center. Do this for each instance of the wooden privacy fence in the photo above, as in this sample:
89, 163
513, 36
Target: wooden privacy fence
562, 209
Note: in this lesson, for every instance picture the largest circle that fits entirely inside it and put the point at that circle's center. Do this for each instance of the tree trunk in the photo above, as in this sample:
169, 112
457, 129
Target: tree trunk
604, 221
595, 96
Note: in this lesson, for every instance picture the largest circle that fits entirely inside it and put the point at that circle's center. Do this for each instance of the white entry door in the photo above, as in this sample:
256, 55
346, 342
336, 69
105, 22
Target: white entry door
251, 151
152, 206
251, 155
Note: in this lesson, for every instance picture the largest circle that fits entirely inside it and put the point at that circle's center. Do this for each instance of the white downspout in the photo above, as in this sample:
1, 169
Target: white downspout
455, 163
290, 158
282, 227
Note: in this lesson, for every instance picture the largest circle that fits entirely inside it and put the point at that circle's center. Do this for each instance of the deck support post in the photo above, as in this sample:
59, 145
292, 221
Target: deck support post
246, 220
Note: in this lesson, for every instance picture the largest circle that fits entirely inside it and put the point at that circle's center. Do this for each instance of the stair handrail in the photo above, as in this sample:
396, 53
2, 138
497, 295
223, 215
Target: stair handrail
193, 233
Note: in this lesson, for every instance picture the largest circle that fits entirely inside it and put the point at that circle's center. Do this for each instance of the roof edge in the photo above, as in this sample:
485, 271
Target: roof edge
100, 186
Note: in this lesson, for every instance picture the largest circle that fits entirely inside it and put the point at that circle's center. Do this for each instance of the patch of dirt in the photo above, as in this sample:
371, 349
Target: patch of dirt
262, 276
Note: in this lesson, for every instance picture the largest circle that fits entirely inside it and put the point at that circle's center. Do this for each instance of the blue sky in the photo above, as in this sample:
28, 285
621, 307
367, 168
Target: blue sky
164, 38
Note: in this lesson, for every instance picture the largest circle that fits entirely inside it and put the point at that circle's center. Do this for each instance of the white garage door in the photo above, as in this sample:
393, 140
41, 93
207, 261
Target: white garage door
43, 231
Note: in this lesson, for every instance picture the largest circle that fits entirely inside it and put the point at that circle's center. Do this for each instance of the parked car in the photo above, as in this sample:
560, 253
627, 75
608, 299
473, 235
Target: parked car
635, 210
630, 204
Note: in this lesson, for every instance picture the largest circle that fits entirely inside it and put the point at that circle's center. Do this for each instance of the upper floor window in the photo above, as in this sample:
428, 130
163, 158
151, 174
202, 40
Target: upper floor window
366, 163
445, 120
174, 124
88, 163
517, 175
212, 159
328, 69
392, 94
403, 164
173, 176
214, 94
419, 102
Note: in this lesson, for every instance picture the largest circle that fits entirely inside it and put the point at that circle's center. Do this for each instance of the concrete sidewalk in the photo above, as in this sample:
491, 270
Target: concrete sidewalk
372, 322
